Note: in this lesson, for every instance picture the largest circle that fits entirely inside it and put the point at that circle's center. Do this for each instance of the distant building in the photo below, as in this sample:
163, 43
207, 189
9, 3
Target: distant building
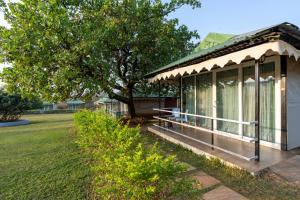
68, 105
143, 105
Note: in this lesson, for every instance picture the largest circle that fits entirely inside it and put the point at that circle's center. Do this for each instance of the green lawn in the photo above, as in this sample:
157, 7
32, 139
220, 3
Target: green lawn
41, 161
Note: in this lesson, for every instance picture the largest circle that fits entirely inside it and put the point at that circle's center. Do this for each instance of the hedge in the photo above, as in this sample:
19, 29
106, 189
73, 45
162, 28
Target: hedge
124, 168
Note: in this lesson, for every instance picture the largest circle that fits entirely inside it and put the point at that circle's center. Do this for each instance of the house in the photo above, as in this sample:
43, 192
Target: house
75, 104
111, 106
143, 105
48, 106
68, 105
240, 98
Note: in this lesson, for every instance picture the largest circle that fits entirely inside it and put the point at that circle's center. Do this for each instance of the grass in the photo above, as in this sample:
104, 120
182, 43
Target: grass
41, 161
265, 187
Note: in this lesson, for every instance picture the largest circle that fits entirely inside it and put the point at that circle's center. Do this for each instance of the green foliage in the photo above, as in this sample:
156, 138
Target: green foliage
70, 49
125, 168
12, 106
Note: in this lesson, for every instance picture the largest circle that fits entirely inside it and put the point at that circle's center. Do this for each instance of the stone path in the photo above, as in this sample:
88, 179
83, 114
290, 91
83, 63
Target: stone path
289, 169
223, 193
218, 191
205, 180
189, 167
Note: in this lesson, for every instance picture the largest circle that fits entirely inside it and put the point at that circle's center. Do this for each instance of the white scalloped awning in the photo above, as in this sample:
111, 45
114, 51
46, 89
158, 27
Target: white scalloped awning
280, 47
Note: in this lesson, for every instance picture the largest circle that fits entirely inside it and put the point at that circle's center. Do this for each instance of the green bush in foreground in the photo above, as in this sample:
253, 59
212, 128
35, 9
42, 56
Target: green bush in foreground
124, 167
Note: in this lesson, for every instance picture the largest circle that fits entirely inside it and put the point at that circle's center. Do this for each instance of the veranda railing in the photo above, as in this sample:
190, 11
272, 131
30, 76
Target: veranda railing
169, 119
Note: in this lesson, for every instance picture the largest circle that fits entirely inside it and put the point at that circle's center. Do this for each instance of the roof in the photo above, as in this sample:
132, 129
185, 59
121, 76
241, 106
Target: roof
286, 28
75, 101
212, 39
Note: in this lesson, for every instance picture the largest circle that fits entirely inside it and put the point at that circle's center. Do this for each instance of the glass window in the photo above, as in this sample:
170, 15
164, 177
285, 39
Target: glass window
188, 97
248, 100
204, 99
227, 100
267, 101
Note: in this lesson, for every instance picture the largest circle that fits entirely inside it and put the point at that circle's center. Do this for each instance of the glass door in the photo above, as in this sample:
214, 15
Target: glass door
204, 99
188, 98
267, 101
227, 100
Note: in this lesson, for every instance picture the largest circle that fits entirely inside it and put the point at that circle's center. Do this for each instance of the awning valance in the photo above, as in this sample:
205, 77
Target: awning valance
279, 47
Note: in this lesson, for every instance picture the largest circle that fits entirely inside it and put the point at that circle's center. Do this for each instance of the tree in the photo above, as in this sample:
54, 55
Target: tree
74, 49
12, 106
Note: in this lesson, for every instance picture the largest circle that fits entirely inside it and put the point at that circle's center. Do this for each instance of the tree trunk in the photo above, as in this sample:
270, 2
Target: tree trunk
131, 108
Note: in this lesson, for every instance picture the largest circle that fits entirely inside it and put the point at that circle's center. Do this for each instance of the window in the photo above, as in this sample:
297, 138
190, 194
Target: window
188, 97
204, 99
248, 100
267, 101
227, 100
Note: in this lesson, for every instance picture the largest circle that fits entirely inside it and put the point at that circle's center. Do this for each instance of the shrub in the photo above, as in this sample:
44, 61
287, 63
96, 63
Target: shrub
124, 168
12, 106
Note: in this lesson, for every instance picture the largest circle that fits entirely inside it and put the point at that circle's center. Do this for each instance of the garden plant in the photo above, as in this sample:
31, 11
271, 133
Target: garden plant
124, 167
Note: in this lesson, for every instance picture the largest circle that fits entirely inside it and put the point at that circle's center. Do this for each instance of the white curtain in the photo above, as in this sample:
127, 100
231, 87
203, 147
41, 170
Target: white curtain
227, 100
267, 101
188, 97
204, 99
248, 100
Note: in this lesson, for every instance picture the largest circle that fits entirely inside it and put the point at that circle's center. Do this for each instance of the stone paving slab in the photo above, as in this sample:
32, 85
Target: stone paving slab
205, 180
223, 193
289, 169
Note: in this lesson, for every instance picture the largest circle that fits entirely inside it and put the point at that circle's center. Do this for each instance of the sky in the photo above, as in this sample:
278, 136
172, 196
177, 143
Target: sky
238, 16
234, 16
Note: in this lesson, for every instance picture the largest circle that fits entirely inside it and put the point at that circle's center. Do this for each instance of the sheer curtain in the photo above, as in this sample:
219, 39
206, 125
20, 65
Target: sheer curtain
188, 97
204, 99
267, 101
227, 100
248, 100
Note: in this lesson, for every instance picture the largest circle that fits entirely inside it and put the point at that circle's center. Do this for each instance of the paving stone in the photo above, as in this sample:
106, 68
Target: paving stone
205, 180
223, 193
289, 169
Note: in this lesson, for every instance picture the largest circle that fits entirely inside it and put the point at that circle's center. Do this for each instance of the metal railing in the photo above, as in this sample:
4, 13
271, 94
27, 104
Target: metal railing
205, 130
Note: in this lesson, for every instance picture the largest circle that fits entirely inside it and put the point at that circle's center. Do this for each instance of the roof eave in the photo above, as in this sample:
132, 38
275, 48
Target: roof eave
285, 28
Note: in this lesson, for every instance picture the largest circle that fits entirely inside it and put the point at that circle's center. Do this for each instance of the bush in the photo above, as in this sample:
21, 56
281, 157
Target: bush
124, 168
12, 106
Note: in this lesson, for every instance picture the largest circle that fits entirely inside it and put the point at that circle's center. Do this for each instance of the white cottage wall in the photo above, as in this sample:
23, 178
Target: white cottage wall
293, 103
